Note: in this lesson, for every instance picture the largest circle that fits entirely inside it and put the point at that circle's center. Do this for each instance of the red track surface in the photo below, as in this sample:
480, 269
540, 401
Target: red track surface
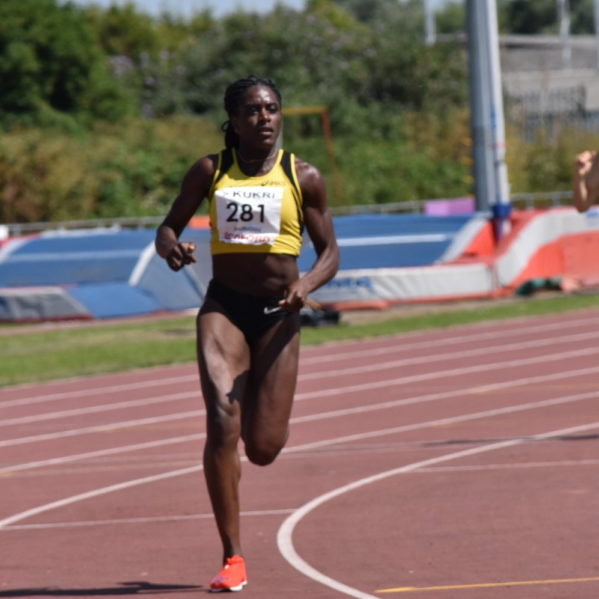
458, 463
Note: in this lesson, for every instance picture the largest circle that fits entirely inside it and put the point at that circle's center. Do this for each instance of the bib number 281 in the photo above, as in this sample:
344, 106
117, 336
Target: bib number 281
244, 212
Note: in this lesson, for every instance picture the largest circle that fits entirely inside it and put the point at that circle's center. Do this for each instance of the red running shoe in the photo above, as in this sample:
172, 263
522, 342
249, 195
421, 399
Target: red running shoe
232, 577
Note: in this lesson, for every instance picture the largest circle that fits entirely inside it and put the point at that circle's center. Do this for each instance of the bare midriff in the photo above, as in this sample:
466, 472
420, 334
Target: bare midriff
256, 274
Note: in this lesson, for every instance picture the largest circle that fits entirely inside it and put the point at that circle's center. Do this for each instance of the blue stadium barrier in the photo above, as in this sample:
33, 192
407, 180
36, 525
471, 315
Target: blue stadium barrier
114, 273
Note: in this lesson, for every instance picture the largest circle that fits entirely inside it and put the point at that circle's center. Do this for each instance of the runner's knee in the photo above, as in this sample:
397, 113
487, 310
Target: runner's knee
223, 428
263, 454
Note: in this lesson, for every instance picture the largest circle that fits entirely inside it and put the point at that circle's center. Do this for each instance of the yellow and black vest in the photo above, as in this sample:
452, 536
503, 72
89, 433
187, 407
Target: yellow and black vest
261, 214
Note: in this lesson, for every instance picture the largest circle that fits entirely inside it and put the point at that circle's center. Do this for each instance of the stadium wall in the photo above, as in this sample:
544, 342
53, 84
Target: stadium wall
108, 274
557, 243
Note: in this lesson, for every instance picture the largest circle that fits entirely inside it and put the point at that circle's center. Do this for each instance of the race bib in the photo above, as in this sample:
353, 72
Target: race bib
249, 215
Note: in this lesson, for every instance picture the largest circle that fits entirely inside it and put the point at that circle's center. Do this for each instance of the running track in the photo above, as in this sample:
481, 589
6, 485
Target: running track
450, 464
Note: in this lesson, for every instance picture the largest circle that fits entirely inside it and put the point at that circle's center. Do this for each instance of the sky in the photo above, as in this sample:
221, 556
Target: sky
188, 7
219, 8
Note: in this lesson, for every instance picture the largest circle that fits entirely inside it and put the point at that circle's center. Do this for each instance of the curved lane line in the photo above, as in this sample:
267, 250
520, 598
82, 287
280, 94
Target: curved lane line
285, 533
298, 448
96, 493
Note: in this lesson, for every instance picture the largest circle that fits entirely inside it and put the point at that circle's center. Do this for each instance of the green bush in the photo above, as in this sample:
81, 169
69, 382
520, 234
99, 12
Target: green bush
132, 168
51, 63
103, 111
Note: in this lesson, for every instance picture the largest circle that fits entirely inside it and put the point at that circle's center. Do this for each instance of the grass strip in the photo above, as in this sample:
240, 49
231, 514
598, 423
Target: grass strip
75, 351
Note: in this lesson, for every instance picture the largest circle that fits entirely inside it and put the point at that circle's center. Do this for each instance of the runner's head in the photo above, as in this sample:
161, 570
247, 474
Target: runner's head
253, 105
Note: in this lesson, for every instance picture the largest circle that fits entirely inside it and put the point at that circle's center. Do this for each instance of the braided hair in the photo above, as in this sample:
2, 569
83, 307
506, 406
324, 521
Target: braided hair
233, 97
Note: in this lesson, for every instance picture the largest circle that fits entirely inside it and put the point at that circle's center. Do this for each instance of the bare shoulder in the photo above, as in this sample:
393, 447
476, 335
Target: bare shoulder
199, 176
310, 180
203, 168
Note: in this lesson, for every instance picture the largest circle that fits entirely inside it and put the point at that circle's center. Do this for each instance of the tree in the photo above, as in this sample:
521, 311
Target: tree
581, 16
525, 17
51, 65
451, 18
122, 30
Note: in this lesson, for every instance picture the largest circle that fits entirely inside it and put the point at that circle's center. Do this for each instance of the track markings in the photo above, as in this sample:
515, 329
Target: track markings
551, 373
474, 333
286, 530
490, 585
10, 469
140, 520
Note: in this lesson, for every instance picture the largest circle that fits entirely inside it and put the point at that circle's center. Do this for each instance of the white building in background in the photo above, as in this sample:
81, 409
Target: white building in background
551, 77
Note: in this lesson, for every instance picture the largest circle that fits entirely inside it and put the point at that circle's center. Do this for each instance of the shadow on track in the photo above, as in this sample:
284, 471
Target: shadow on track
124, 589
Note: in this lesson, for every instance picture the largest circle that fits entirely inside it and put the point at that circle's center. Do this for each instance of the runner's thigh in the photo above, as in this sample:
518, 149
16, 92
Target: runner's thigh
224, 361
272, 384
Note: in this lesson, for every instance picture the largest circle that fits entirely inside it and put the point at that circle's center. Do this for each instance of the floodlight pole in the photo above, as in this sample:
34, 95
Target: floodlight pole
596, 20
486, 114
563, 7
430, 32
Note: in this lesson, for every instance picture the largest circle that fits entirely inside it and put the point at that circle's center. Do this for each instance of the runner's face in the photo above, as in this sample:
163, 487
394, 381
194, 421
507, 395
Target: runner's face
258, 118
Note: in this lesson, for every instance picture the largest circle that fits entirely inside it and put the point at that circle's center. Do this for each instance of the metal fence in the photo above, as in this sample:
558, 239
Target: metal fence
520, 201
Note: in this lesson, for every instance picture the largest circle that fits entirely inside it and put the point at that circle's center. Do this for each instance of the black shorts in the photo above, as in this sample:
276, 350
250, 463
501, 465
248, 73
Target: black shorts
252, 314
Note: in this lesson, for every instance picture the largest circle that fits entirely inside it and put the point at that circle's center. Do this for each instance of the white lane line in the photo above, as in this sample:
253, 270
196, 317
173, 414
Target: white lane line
146, 520
345, 412
285, 533
121, 405
317, 394
360, 351
558, 401
454, 355
474, 390
508, 466
453, 372
394, 364
96, 493
402, 342
96, 390
102, 428
311, 417
78, 457
440, 422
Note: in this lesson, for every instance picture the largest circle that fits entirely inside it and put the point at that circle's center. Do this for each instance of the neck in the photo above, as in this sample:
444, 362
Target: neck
256, 159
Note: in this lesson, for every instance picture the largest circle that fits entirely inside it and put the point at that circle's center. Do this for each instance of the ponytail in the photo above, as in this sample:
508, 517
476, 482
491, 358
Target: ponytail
231, 138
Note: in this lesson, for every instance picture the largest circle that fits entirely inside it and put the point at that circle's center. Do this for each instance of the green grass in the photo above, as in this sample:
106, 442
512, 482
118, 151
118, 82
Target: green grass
86, 350
64, 352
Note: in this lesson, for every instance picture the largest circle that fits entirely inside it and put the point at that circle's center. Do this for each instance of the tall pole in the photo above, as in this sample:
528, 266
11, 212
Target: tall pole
430, 33
486, 109
480, 116
563, 7
596, 16
502, 205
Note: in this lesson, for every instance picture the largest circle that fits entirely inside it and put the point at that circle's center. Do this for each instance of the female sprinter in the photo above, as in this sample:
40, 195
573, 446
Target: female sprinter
260, 199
